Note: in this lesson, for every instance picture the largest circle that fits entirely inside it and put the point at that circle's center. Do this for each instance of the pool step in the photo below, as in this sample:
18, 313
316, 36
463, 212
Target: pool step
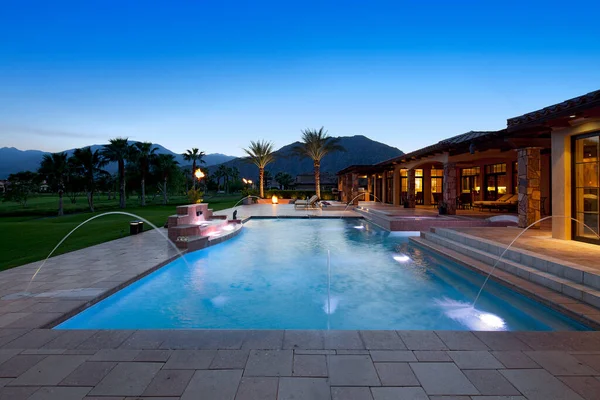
576, 309
569, 287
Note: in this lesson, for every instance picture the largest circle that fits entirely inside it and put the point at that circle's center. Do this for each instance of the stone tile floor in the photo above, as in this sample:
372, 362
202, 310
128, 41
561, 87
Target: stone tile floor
46, 364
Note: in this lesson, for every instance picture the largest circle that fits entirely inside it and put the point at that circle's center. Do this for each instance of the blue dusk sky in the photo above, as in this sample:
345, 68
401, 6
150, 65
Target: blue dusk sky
217, 74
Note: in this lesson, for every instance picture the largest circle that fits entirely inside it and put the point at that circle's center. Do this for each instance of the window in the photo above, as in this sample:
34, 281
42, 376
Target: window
469, 180
587, 187
496, 183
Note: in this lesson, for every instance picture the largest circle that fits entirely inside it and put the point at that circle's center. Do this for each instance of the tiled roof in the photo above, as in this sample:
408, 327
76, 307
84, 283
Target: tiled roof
589, 100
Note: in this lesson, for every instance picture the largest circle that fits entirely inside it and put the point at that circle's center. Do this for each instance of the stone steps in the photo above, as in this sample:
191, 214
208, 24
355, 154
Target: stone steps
572, 286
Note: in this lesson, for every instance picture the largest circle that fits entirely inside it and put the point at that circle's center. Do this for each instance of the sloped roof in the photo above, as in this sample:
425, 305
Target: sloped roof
567, 107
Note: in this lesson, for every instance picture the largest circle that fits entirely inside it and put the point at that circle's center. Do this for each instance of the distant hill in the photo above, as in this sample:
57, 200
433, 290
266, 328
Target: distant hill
14, 160
359, 150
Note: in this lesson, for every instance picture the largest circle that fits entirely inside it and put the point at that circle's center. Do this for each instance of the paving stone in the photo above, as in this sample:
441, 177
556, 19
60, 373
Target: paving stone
343, 340
422, 340
432, 356
502, 341
8, 335
50, 371
442, 379
538, 384
257, 388
586, 386
395, 393
382, 340
392, 356
115, 355
4, 381
69, 339
88, 374
489, 398
169, 383
263, 340
350, 370
34, 339
60, 393
127, 379
222, 339
560, 363
351, 393
190, 359
44, 351
110, 339
17, 365
153, 356
303, 340
7, 354
454, 397
474, 360
269, 363
461, 340
591, 360
490, 382
145, 340
514, 359
213, 384
357, 351
230, 359
111, 398
322, 352
310, 365
9, 318
303, 389
396, 374
17, 393
35, 320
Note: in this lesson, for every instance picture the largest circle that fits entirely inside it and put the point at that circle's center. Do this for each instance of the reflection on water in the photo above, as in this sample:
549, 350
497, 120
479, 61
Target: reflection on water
469, 316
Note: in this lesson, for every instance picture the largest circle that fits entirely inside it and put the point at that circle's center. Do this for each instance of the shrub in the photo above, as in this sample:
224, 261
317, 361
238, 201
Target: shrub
195, 196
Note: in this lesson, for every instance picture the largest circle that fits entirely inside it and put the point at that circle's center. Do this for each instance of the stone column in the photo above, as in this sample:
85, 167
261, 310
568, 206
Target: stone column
529, 174
449, 187
427, 186
396, 187
354, 191
410, 180
369, 187
375, 187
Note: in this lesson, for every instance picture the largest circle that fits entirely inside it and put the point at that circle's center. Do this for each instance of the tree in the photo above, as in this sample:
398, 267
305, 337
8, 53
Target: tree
165, 167
119, 151
284, 179
88, 165
144, 156
194, 155
315, 145
221, 172
234, 174
22, 185
260, 153
54, 167
267, 178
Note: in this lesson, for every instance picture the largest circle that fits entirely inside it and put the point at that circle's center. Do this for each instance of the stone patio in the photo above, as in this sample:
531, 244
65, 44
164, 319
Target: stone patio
39, 363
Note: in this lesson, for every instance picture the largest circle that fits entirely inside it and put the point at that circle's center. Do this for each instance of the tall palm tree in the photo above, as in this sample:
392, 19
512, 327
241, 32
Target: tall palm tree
194, 155
88, 164
260, 153
144, 154
118, 150
55, 168
221, 172
315, 145
165, 166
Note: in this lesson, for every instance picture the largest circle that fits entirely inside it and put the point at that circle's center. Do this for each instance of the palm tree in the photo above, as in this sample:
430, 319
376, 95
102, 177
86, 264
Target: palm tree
55, 168
260, 154
315, 145
119, 151
165, 167
222, 172
194, 155
144, 154
88, 164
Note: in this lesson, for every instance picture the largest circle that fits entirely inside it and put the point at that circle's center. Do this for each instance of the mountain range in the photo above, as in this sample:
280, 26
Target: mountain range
14, 160
359, 150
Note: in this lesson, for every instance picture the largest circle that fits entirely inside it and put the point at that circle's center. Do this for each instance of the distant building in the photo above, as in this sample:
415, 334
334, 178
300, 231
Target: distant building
307, 181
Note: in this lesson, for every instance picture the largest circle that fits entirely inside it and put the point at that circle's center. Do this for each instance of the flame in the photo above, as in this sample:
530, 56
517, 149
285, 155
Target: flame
274, 199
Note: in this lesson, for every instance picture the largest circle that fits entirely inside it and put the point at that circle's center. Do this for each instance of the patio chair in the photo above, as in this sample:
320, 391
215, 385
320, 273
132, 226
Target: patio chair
507, 203
310, 203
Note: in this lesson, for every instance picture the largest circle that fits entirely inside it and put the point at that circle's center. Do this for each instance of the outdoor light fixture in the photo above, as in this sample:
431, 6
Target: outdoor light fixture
572, 116
402, 258
274, 199
244, 180
199, 174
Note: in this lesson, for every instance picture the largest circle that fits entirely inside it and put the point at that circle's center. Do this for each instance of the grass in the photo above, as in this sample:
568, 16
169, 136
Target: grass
30, 236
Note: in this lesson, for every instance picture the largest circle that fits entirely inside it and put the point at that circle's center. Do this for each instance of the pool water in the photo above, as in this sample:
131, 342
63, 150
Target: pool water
274, 275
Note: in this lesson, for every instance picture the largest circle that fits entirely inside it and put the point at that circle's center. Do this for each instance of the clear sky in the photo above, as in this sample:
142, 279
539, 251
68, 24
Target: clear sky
217, 74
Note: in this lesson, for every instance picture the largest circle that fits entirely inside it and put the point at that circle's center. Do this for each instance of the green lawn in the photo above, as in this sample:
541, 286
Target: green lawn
30, 236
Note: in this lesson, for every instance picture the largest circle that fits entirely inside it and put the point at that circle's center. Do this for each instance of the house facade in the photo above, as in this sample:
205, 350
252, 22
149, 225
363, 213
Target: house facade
547, 159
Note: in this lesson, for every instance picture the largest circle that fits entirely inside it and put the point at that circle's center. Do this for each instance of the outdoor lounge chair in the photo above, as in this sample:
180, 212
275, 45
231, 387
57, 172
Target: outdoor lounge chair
310, 203
506, 202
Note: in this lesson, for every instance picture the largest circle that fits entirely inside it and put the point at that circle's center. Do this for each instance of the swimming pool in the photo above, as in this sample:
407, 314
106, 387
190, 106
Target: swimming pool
274, 275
